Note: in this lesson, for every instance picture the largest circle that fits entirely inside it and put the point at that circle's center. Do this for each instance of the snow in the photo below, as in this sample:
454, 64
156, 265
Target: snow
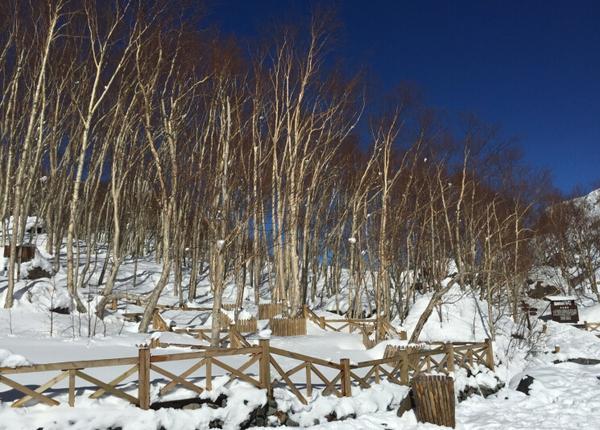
565, 394
379, 398
114, 413
8, 359
560, 298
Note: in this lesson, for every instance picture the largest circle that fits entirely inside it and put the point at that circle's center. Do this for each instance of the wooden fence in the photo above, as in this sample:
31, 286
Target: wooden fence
372, 330
262, 366
591, 326
434, 399
269, 310
288, 326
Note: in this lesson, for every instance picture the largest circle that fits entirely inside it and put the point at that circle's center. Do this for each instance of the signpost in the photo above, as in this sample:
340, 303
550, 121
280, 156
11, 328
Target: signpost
563, 309
528, 311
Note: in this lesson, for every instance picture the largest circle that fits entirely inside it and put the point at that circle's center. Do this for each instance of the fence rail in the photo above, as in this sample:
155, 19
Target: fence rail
372, 330
262, 366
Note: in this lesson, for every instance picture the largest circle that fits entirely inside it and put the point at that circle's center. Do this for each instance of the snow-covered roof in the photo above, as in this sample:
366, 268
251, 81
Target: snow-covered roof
559, 298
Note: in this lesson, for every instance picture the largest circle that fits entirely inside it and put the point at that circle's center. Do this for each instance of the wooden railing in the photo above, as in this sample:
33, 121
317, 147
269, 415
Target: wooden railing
369, 328
262, 366
591, 326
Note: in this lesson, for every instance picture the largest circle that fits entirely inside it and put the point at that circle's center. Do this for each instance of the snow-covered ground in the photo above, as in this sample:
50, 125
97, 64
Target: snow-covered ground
564, 395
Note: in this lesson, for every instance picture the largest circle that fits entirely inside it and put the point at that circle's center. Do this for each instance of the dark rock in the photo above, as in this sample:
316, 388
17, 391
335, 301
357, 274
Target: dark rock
258, 417
291, 423
539, 291
480, 390
215, 424
585, 361
38, 273
406, 404
331, 417
488, 391
192, 403
61, 310
525, 383
280, 416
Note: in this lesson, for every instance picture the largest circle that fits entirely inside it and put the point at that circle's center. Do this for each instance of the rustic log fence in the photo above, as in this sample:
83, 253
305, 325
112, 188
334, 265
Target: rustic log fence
269, 310
370, 329
434, 399
591, 326
261, 365
288, 326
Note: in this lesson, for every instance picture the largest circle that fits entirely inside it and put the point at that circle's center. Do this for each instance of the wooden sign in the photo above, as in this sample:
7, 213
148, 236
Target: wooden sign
564, 311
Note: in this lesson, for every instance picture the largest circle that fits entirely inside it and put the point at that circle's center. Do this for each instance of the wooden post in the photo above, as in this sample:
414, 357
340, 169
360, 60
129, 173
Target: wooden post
71, 387
489, 354
346, 382
144, 377
404, 367
265, 366
450, 356
308, 380
233, 340
208, 374
155, 342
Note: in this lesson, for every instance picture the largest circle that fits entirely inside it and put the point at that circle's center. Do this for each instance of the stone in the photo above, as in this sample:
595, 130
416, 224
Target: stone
525, 384
38, 273
215, 424
405, 405
191, 406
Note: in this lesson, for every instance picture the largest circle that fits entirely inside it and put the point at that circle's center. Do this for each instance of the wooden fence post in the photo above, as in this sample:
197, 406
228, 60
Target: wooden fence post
71, 387
450, 356
322, 322
265, 366
489, 354
345, 379
404, 367
233, 340
144, 376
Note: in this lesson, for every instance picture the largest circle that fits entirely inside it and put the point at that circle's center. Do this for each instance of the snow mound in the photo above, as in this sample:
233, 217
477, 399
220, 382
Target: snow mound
8, 359
379, 398
47, 296
462, 317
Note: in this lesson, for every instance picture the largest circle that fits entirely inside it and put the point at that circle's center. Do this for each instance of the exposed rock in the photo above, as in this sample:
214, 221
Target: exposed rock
61, 310
406, 404
192, 403
257, 418
541, 290
36, 272
215, 424
192, 406
481, 383
584, 361
525, 384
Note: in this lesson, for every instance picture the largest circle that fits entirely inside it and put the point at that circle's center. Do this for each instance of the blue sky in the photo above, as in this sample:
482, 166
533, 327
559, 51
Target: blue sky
530, 67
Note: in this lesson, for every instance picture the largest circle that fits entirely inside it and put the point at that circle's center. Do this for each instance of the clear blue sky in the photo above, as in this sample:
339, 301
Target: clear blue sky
531, 67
